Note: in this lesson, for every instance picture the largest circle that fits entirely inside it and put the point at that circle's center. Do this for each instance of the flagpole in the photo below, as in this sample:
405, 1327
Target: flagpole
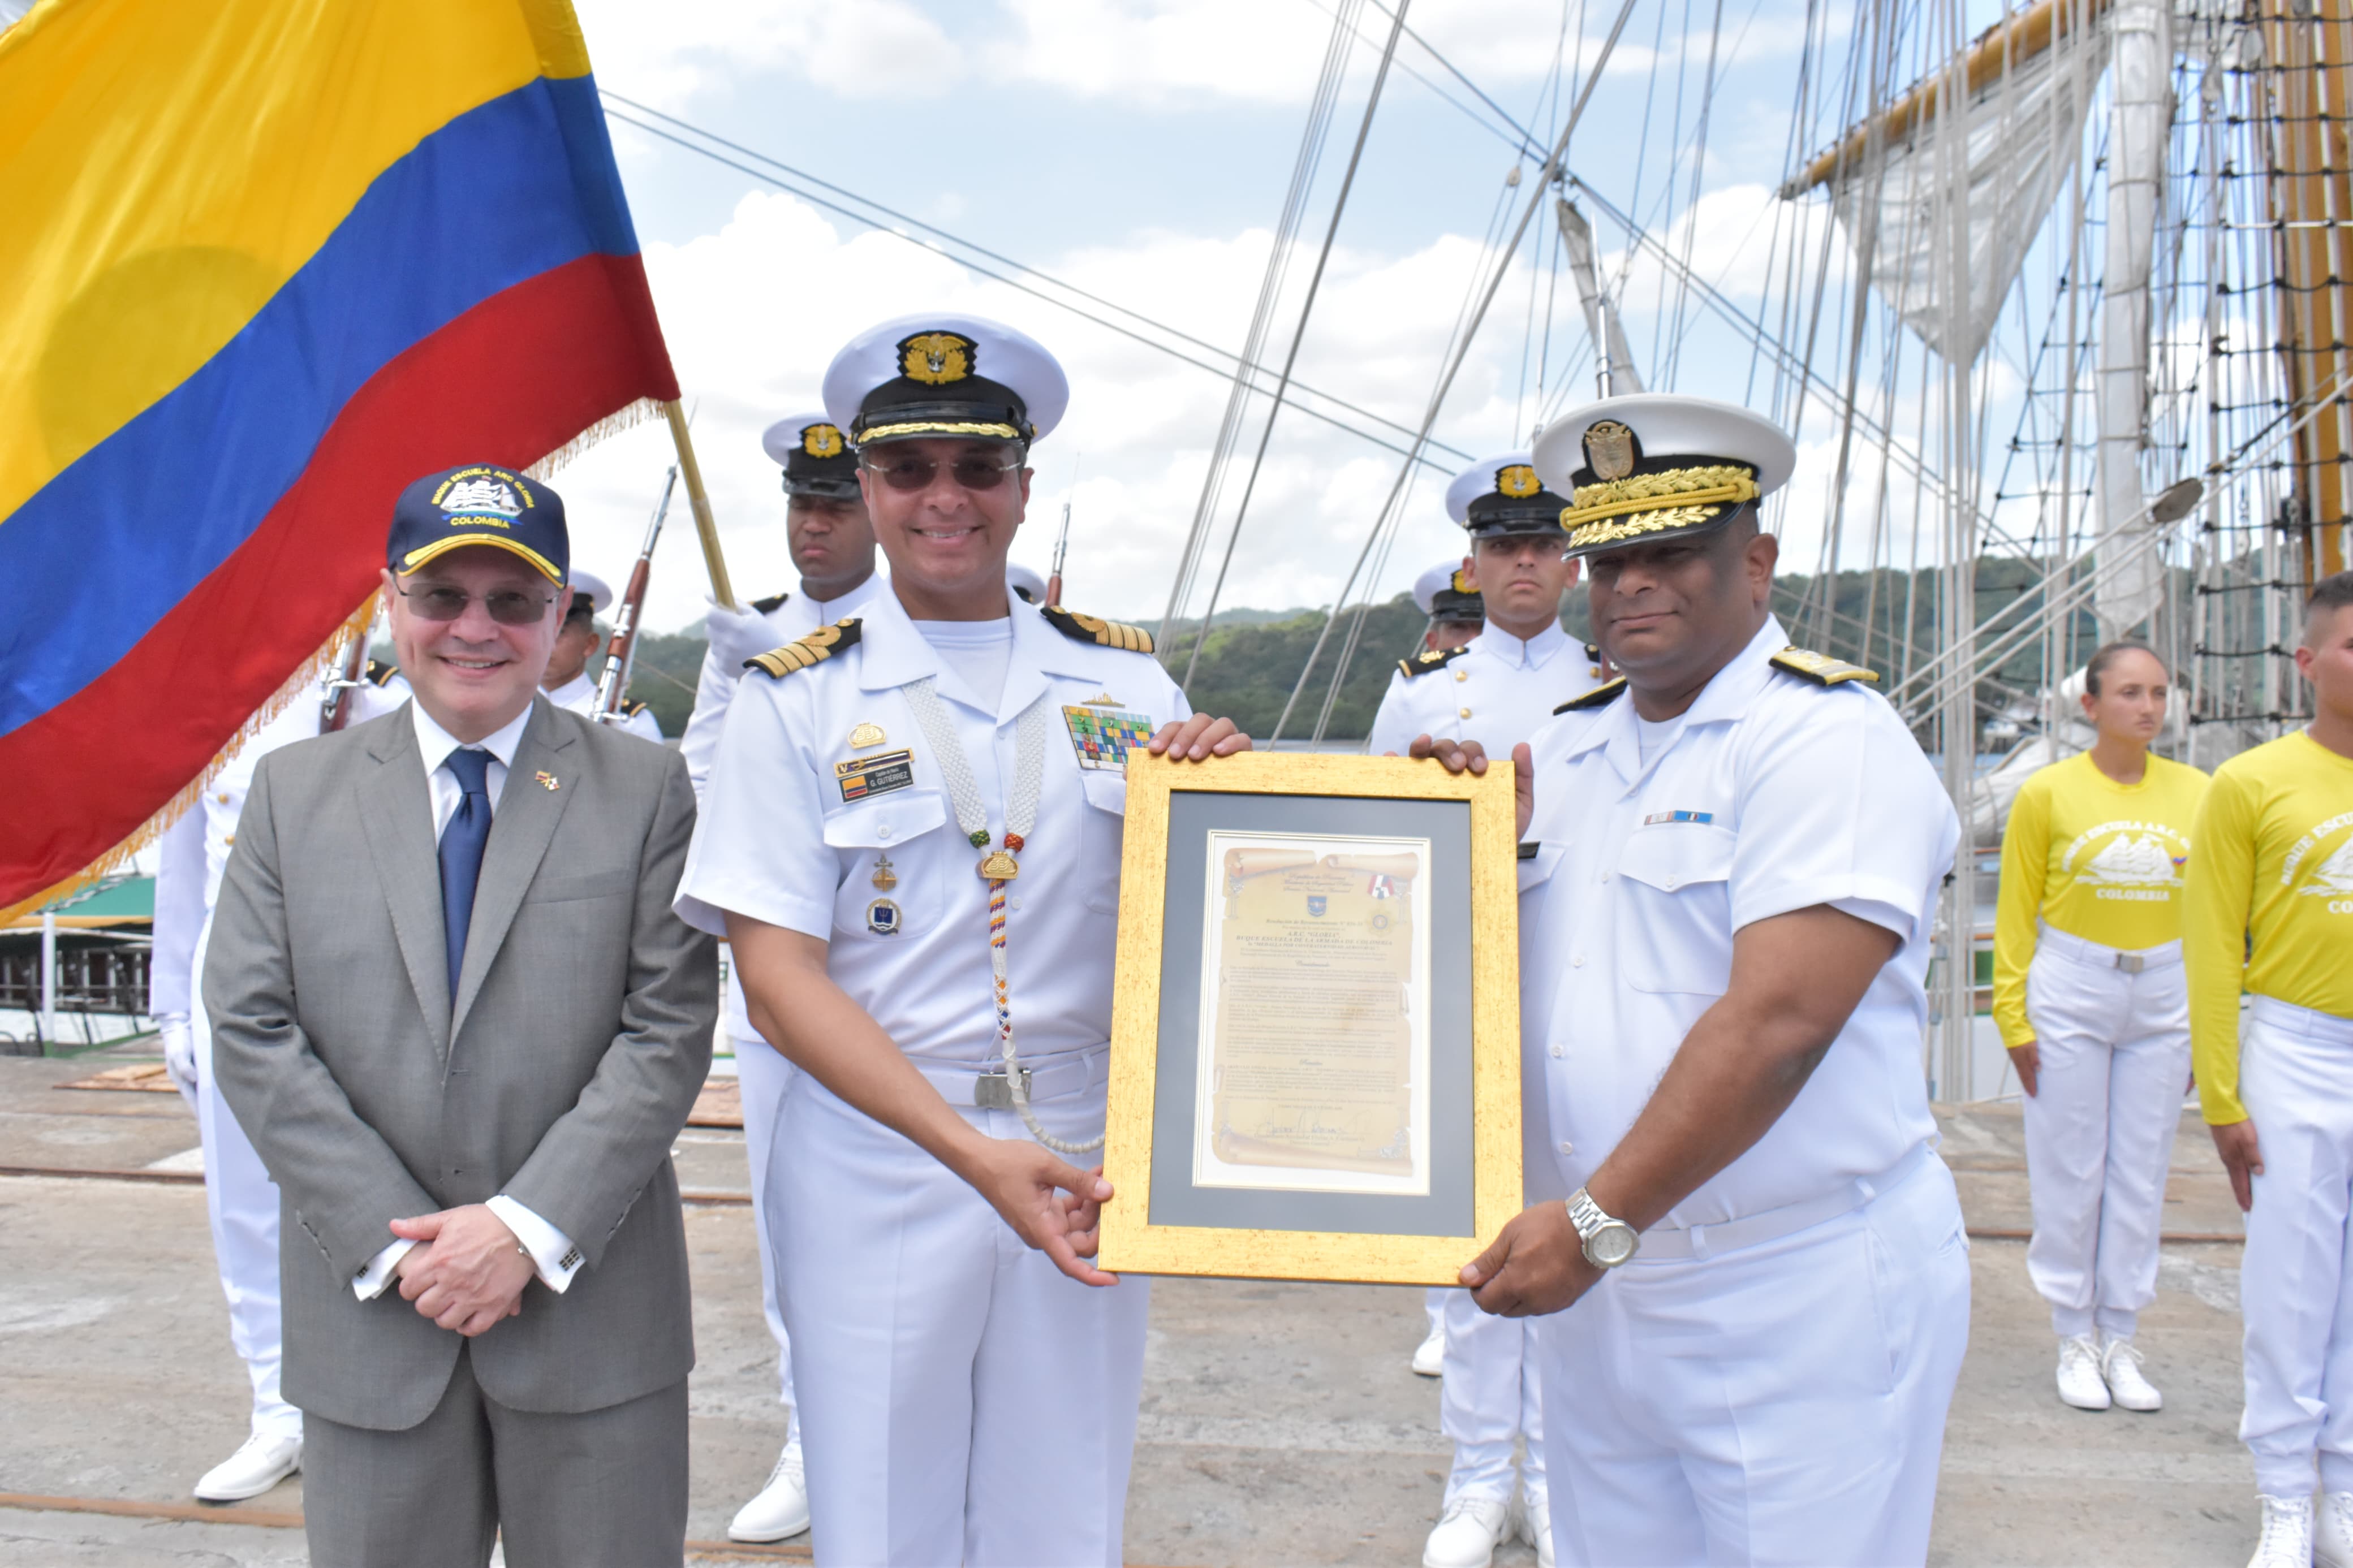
706, 526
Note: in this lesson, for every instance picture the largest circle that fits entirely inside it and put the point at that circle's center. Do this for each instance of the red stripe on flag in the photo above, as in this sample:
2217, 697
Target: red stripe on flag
509, 381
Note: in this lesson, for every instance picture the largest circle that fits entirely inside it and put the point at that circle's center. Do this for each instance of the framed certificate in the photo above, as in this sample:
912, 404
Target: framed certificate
1315, 1053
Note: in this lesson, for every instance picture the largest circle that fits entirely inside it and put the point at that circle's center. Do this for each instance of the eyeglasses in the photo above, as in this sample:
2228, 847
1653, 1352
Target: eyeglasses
509, 609
974, 472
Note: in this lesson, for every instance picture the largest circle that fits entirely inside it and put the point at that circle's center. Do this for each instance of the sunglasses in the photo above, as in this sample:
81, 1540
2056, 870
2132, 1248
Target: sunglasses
509, 609
974, 472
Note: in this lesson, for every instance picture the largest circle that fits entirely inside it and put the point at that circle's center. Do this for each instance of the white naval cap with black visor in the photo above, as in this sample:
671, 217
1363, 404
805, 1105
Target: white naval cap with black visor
814, 455
945, 376
1652, 465
1501, 495
1445, 592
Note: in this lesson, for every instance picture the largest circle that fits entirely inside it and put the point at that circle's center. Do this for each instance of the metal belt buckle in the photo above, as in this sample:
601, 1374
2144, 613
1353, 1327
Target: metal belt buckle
994, 1091
2130, 962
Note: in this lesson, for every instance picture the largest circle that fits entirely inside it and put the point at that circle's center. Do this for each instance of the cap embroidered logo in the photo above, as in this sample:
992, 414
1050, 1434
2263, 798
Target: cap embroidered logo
821, 441
936, 359
1517, 481
481, 496
1609, 449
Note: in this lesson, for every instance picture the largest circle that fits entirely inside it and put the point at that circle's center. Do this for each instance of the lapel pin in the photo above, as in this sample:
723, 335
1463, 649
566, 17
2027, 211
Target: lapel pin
547, 781
864, 735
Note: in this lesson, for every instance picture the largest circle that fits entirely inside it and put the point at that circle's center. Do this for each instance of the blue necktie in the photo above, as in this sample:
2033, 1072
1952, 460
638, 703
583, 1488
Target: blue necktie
461, 853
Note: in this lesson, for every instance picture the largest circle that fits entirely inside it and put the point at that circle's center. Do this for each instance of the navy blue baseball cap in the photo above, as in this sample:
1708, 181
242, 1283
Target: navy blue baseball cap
481, 503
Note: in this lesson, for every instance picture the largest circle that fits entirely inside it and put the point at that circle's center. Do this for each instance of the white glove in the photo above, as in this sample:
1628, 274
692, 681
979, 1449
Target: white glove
179, 1054
737, 634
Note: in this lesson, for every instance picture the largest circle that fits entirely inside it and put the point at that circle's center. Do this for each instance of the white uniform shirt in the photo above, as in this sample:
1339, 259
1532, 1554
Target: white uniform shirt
777, 841
1497, 690
1775, 793
193, 853
733, 637
579, 695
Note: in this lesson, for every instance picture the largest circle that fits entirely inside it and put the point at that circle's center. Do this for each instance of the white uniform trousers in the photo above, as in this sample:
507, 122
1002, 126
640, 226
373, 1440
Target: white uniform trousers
1782, 1403
2115, 1049
1490, 1398
241, 1201
2296, 1291
761, 1075
962, 1401
1434, 1307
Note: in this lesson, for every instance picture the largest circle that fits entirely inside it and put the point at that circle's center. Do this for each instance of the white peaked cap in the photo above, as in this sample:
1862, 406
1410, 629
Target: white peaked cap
1481, 479
953, 359
1669, 425
786, 436
599, 592
1438, 580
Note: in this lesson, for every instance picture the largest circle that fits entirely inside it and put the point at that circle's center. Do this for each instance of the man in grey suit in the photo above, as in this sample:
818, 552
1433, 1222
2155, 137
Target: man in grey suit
453, 1011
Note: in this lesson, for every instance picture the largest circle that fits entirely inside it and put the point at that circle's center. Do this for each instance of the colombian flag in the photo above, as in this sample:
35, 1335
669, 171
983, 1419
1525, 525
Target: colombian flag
264, 262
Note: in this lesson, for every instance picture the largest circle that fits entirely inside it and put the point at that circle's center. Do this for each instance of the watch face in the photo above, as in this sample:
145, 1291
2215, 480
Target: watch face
1613, 1243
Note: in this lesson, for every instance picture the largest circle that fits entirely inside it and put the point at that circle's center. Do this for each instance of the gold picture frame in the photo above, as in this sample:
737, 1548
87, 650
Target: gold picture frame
1166, 797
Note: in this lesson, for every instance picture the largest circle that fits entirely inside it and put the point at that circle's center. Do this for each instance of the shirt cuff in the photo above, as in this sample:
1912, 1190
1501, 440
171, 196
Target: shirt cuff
552, 1256
370, 1283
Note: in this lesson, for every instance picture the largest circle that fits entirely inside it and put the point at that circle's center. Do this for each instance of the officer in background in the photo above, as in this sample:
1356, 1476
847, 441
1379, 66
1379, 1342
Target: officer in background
1761, 1295
240, 1200
1500, 685
1498, 689
567, 681
831, 544
911, 835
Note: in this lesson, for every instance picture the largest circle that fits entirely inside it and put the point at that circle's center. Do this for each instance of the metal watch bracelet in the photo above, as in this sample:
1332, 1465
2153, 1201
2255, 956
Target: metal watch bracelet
1609, 1241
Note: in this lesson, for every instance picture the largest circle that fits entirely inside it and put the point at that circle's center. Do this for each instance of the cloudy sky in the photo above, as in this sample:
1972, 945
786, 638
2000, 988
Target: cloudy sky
1140, 149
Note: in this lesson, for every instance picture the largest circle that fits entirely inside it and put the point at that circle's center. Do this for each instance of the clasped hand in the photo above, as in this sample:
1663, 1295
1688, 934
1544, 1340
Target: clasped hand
1536, 1266
466, 1272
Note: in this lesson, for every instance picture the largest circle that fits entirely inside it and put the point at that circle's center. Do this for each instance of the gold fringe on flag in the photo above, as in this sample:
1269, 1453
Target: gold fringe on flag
628, 417
298, 686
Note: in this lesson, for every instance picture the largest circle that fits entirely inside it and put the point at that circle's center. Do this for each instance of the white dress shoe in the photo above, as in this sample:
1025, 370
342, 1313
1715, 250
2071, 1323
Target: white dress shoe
2120, 1370
2080, 1382
2286, 1540
2334, 1545
1467, 1533
782, 1507
1429, 1356
1536, 1526
259, 1465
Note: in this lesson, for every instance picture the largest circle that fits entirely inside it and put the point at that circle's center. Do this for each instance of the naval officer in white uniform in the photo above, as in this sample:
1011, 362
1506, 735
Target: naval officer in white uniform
1501, 686
831, 543
240, 1200
911, 835
1753, 1258
1497, 689
567, 682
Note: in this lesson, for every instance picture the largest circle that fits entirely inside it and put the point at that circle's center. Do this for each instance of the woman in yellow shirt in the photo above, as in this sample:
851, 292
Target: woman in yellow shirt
2088, 995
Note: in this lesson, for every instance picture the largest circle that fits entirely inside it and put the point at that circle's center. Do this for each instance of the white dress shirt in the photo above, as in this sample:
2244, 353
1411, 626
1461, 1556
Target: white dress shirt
552, 1256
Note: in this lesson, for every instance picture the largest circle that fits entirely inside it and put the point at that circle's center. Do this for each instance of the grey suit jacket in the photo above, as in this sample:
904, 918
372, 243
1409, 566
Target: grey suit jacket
579, 1036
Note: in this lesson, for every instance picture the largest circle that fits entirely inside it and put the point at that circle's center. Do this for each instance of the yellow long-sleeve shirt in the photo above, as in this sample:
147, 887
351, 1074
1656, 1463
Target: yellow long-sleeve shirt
2269, 902
2094, 858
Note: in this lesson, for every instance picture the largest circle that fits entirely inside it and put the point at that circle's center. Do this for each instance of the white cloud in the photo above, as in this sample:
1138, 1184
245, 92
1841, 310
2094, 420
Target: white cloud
755, 312
668, 54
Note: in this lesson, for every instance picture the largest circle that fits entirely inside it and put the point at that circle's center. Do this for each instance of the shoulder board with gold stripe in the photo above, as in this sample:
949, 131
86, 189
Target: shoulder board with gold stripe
1427, 660
1094, 629
1820, 667
815, 648
1600, 696
380, 673
632, 707
771, 604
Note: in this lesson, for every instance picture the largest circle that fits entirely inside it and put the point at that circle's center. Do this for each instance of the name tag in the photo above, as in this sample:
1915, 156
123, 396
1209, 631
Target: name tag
1656, 817
862, 776
1103, 737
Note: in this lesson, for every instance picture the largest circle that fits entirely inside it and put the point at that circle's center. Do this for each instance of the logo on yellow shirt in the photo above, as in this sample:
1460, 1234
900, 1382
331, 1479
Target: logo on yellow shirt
2332, 879
2138, 861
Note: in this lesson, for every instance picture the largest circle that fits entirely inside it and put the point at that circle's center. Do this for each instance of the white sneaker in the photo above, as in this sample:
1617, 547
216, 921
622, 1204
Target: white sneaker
2080, 1382
259, 1464
1536, 1526
781, 1508
1467, 1533
2287, 1541
1429, 1356
2334, 1549
2120, 1370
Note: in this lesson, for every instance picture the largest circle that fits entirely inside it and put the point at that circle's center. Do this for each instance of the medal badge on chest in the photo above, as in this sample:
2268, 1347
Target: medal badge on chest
1103, 734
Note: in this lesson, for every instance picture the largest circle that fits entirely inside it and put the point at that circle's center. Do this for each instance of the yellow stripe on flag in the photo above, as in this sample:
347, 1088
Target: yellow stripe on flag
167, 164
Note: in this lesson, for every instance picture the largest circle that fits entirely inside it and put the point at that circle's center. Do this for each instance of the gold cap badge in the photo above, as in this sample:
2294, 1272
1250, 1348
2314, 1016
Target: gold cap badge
1517, 481
821, 441
1608, 449
1462, 584
936, 359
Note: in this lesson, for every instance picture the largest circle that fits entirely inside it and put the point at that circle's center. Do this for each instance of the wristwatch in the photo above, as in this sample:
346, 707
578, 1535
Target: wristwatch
1608, 1242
